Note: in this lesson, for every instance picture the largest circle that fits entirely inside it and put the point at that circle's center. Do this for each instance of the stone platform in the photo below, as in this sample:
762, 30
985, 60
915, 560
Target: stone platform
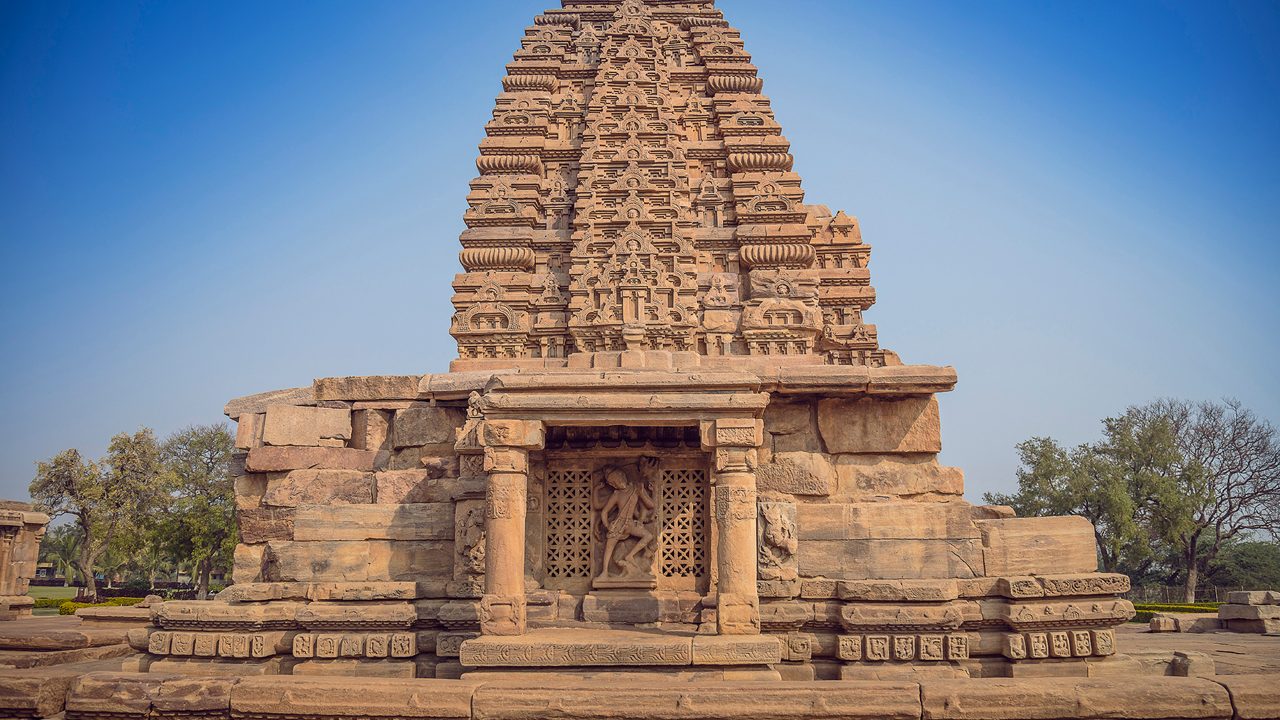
48, 694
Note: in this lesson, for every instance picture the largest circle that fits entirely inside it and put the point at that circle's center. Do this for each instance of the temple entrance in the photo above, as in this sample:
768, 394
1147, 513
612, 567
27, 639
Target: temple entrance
623, 512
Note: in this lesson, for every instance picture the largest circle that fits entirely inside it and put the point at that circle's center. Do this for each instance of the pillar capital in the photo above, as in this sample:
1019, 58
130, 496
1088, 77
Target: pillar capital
526, 434
732, 432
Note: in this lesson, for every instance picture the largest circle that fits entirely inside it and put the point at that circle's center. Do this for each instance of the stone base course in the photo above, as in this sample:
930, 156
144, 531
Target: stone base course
47, 694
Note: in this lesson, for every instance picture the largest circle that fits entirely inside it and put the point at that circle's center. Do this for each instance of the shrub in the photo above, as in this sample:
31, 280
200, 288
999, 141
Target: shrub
1146, 611
69, 607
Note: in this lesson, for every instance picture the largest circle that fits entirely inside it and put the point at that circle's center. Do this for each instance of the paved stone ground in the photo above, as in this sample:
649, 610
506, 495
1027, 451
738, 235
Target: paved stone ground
1232, 653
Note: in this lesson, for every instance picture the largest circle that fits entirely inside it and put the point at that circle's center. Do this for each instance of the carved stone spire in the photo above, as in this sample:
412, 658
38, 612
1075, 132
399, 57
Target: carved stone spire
636, 193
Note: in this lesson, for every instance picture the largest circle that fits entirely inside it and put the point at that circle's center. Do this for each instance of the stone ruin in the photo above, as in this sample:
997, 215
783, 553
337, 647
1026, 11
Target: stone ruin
670, 442
21, 528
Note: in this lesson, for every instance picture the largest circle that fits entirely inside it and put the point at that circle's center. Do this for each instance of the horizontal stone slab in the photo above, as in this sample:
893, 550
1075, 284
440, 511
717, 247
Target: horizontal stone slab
279, 459
358, 561
890, 559
1167, 698
319, 487
515, 700
413, 521
876, 425
346, 697
375, 387
894, 520
1254, 597
571, 648
1033, 546
259, 402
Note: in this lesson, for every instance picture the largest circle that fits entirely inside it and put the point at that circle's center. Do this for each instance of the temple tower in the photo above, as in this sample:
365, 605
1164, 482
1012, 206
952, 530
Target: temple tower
636, 193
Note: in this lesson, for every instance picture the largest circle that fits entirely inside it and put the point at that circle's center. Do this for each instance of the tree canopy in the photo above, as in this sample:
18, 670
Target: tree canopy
1169, 487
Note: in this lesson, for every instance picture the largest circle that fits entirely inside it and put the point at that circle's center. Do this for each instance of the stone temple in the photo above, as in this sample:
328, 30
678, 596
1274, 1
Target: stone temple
670, 443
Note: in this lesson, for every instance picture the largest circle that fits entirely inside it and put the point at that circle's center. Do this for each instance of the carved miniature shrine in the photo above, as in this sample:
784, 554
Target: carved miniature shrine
670, 441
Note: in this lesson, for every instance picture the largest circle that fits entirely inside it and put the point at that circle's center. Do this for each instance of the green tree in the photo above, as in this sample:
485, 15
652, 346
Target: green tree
1170, 485
1082, 481
1250, 565
1227, 480
200, 526
107, 500
60, 546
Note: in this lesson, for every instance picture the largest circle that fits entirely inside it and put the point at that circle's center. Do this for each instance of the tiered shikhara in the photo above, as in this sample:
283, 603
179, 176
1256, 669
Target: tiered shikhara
669, 439
636, 193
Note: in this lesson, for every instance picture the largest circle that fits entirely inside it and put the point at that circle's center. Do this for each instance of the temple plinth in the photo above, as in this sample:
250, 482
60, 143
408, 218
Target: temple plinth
670, 441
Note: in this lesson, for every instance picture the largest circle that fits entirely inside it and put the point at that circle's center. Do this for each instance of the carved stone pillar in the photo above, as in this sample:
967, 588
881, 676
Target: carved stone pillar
734, 443
506, 463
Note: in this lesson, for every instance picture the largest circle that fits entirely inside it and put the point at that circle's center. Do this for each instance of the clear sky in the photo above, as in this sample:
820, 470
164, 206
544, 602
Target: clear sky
1074, 203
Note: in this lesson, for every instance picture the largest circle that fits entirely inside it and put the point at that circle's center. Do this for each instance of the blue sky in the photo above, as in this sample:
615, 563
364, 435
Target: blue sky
1074, 203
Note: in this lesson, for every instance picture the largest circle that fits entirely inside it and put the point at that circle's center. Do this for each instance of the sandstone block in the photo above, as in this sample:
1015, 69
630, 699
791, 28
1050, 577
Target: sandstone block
247, 563
262, 524
890, 559
426, 426
249, 430
1249, 612
345, 697
358, 561
352, 668
278, 459
420, 486
1011, 699
193, 696
413, 521
305, 426
1032, 546
116, 695
371, 430
259, 403
798, 473
862, 477
1254, 597
1254, 697
383, 387
249, 490
736, 650
885, 520
876, 425
516, 700
319, 487
34, 692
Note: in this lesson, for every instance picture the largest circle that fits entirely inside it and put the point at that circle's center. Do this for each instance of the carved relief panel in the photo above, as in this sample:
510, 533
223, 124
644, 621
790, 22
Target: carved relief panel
618, 520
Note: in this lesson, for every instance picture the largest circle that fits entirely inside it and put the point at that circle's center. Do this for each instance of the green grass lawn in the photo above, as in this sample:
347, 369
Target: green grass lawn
61, 593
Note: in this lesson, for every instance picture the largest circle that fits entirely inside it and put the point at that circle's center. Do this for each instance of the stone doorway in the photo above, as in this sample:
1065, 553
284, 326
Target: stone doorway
621, 515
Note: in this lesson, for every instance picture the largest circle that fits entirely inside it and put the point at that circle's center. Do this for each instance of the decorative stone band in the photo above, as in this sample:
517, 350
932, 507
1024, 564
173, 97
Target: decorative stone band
742, 162
498, 259
721, 84
1059, 644
349, 645
526, 83
902, 648
775, 256
509, 165
558, 19
223, 645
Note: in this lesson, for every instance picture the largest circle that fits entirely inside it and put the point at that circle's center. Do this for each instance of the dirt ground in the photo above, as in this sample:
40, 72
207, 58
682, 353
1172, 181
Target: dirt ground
1232, 653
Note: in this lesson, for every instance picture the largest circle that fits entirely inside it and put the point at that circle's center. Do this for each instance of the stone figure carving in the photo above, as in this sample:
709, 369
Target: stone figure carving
778, 543
472, 550
627, 515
